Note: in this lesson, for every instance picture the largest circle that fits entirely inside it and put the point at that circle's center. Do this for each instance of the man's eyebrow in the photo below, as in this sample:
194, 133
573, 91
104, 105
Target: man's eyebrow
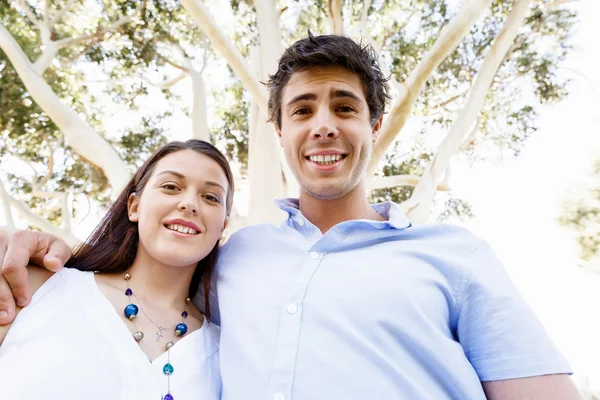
338, 93
302, 97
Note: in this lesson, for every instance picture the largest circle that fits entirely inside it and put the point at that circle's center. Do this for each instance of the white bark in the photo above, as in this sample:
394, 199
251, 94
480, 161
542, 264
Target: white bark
8, 217
264, 170
271, 49
226, 48
363, 28
449, 38
418, 207
335, 15
199, 113
38, 221
82, 137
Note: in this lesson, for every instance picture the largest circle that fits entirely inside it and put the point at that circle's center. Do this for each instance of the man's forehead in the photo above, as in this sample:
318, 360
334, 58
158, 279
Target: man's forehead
334, 78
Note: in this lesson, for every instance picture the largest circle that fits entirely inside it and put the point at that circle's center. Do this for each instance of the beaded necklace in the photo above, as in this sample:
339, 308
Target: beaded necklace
131, 312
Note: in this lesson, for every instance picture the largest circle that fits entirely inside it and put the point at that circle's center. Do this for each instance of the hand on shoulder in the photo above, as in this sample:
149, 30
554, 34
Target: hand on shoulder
17, 250
37, 276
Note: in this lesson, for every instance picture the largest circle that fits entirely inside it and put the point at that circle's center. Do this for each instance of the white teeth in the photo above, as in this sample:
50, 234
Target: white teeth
182, 229
326, 159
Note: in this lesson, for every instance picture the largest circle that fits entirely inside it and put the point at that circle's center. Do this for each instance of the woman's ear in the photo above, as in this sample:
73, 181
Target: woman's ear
132, 207
225, 224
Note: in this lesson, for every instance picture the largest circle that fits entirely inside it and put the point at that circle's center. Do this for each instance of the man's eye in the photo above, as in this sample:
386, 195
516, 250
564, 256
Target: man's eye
301, 111
346, 108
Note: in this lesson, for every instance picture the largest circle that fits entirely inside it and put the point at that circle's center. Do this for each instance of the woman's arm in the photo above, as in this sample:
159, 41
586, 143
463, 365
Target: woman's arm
37, 277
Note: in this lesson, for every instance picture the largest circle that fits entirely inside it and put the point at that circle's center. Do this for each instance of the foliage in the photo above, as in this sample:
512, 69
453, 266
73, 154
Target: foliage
113, 76
582, 215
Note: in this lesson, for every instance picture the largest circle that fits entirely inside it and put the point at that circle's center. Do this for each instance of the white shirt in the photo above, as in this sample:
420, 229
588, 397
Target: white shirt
71, 344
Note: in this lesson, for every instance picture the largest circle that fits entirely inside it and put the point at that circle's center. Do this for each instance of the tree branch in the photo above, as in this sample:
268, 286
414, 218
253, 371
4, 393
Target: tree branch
5, 199
99, 34
419, 205
40, 222
226, 48
58, 16
364, 15
166, 84
449, 38
335, 14
80, 135
24, 5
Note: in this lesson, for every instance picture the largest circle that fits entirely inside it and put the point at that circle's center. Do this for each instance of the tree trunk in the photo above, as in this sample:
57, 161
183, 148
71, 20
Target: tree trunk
199, 114
79, 135
264, 167
226, 48
418, 207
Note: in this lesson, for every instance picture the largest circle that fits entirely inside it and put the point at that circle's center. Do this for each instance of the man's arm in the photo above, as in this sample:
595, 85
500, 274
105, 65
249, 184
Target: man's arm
36, 276
544, 387
16, 252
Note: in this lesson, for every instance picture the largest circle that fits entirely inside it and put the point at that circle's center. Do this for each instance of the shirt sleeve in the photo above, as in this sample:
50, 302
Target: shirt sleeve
501, 336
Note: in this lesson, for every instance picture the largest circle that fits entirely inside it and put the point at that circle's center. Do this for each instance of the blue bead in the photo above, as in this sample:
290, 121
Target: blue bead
181, 329
168, 369
184, 314
130, 311
168, 397
128, 292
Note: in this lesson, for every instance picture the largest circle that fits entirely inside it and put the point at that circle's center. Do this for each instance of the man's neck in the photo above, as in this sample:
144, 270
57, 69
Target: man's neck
325, 214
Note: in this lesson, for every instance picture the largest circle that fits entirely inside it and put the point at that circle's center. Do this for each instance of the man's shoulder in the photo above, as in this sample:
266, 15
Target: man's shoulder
446, 234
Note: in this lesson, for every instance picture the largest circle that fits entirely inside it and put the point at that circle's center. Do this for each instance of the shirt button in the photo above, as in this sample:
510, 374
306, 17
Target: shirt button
301, 222
278, 396
314, 255
291, 308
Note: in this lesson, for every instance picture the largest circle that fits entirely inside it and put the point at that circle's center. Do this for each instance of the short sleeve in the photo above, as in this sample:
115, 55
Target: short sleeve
500, 334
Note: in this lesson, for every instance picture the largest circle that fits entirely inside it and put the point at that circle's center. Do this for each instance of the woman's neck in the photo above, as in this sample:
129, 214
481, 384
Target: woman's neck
162, 285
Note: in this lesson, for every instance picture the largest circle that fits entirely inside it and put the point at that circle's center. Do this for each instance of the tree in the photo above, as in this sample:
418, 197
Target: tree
470, 77
582, 215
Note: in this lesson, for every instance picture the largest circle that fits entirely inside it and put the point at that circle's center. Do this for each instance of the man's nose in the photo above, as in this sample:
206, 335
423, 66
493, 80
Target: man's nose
325, 126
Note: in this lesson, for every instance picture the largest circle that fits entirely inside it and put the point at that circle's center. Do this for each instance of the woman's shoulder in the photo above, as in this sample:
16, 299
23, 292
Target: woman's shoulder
36, 277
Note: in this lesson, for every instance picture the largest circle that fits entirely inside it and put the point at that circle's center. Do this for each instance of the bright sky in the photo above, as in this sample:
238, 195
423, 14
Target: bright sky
516, 206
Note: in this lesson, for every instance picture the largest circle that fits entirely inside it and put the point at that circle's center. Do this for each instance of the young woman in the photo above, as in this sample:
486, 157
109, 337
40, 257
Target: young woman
119, 324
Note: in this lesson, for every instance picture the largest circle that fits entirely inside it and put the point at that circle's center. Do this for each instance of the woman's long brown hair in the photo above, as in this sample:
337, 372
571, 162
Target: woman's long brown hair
112, 246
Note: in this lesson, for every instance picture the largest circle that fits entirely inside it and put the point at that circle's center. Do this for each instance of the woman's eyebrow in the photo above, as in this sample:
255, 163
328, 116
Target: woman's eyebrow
177, 174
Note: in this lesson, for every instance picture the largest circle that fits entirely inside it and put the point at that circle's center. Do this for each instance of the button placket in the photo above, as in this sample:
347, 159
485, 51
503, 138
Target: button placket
283, 368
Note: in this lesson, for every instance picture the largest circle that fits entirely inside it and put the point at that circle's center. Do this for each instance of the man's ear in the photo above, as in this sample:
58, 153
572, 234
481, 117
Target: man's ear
376, 129
133, 205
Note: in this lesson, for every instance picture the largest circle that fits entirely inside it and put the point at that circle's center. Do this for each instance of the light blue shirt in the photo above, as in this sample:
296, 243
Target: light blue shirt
370, 310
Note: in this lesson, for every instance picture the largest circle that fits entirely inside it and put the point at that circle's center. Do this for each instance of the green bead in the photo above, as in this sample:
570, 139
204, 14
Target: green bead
168, 369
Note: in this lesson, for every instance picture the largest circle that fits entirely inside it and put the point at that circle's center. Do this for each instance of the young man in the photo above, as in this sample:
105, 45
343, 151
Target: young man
346, 300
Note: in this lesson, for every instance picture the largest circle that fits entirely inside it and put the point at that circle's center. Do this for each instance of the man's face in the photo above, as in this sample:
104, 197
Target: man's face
326, 132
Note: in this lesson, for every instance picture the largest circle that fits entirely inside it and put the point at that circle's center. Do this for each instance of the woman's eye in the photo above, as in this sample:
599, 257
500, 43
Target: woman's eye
212, 198
170, 187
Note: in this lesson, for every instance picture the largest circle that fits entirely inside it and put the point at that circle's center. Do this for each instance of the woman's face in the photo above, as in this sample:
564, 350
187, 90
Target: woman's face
181, 212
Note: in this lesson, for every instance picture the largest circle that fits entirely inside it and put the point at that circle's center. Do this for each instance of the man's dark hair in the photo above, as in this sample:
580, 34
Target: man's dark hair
325, 51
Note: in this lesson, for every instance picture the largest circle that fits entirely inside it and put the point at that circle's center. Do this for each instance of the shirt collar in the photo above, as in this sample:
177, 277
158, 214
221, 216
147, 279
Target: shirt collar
395, 218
